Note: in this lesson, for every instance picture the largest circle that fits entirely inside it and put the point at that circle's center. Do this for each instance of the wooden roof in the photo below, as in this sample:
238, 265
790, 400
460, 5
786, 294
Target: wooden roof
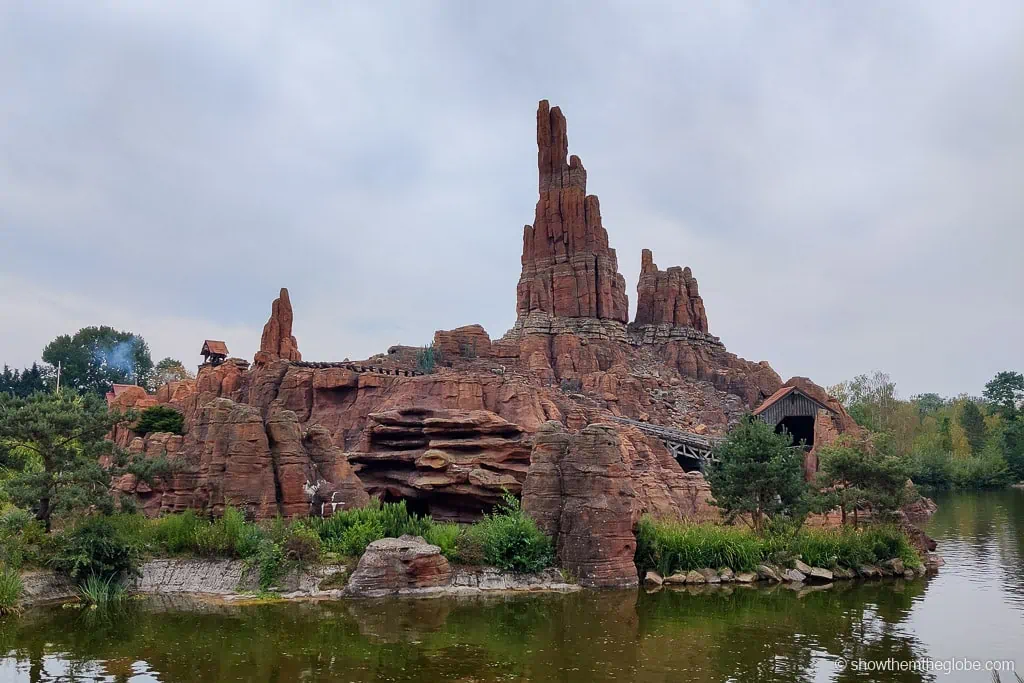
212, 346
781, 394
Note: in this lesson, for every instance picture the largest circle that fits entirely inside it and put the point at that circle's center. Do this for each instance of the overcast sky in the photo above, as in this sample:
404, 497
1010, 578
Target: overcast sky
845, 179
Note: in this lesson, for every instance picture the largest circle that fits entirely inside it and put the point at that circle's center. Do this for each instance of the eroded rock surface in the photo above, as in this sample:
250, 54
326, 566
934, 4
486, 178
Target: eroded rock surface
277, 341
580, 492
393, 565
669, 297
568, 268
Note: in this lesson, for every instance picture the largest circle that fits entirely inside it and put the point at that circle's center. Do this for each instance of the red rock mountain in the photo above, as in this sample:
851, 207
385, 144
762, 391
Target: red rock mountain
568, 268
533, 411
668, 296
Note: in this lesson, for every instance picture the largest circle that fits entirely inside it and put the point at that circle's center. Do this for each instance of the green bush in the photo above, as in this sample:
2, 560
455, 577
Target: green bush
301, 546
23, 539
445, 535
348, 532
511, 540
10, 590
228, 536
160, 418
95, 547
428, 359
177, 533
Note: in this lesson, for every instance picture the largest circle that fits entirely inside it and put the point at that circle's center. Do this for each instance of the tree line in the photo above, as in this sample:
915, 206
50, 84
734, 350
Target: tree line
91, 361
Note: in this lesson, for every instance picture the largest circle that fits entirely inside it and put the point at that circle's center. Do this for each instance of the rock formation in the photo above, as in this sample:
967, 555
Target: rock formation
277, 341
668, 296
293, 437
568, 268
393, 565
450, 463
580, 492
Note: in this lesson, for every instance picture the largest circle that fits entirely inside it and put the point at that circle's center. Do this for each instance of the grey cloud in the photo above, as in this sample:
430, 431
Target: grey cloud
378, 159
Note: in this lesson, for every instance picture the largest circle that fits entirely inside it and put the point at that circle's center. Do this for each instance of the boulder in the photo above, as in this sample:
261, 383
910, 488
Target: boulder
802, 567
726, 575
695, 577
843, 573
579, 491
746, 577
820, 574
470, 341
393, 565
895, 566
676, 579
768, 573
654, 578
710, 575
793, 576
869, 571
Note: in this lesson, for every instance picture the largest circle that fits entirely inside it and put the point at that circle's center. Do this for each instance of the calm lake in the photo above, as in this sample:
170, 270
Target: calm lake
972, 610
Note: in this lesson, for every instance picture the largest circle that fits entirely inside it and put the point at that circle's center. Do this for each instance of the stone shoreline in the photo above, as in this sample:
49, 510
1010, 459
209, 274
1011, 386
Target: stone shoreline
228, 581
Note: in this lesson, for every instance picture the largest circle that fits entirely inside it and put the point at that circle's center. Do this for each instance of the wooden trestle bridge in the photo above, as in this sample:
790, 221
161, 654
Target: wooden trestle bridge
690, 450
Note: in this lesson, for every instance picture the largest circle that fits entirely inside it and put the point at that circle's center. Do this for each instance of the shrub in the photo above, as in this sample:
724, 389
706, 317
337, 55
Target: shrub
228, 536
160, 418
23, 539
96, 548
10, 590
511, 540
269, 562
348, 532
428, 359
177, 533
301, 546
446, 537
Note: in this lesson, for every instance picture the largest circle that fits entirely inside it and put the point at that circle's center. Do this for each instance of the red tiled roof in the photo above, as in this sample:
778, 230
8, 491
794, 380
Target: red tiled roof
214, 346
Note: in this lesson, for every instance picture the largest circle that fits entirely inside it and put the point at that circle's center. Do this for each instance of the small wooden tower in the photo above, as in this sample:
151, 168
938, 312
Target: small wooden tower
214, 352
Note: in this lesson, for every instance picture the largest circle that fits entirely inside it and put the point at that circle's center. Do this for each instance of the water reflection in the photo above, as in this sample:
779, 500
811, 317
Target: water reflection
732, 633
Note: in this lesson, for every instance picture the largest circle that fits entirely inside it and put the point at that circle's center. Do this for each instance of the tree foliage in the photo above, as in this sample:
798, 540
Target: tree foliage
95, 358
860, 475
169, 370
973, 423
757, 473
1006, 392
24, 382
50, 449
161, 418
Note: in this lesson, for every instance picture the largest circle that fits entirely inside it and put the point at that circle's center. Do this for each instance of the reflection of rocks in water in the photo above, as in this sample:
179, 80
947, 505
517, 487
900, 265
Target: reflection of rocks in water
395, 621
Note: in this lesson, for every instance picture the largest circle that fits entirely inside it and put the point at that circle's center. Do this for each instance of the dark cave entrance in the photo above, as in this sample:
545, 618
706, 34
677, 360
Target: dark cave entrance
800, 427
414, 505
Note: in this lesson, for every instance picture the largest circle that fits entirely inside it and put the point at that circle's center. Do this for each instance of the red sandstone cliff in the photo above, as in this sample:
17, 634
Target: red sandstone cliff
277, 341
568, 268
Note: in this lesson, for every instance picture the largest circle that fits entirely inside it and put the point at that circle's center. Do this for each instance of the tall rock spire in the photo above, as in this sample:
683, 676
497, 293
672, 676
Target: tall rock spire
668, 296
568, 268
278, 342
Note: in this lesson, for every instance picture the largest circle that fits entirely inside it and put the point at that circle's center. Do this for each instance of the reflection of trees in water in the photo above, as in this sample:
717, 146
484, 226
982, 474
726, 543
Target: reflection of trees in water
771, 635
987, 526
731, 634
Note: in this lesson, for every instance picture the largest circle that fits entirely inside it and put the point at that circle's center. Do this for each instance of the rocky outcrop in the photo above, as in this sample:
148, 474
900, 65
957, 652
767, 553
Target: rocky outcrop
470, 341
668, 296
580, 493
393, 565
452, 463
231, 456
568, 268
277, 341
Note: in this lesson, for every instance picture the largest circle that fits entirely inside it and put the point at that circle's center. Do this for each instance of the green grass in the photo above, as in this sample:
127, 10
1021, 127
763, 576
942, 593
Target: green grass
671, 547
102, 592
10, 591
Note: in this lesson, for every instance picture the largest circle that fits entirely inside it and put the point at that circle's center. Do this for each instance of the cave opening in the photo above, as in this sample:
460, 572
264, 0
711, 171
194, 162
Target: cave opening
800, 427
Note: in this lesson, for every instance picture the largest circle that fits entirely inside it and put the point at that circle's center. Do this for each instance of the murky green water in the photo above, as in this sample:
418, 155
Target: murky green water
974, 609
